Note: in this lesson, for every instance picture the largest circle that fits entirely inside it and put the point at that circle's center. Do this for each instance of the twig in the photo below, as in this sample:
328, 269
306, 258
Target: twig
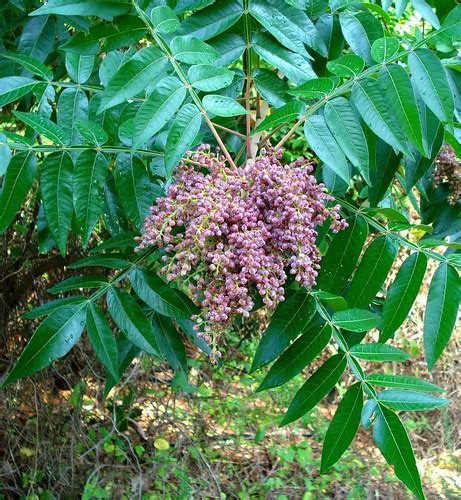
230, 131
247, 64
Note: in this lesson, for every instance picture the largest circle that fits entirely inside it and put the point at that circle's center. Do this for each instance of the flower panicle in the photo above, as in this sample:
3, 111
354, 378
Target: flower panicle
231, 236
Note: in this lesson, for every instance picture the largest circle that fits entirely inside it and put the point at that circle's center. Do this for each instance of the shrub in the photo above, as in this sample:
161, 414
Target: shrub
103, 100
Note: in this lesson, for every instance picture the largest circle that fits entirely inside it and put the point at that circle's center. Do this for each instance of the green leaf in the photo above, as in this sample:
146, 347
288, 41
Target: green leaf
283, 115
347, 66
372, 271
334, 184
191, 50
158, 108
346, 129
293, 66
391, 214
300, 353
286, 24
43, 126
31, 64
131, 320
133, 77
288, 321
89, 175
164, 19
230, 48
410, 400
82, 43
396, 85
343, 427
392, 440
211, 21
343, 253
402, 382
451, 28
56, 177
37, 37
169, 342
134, 187
441, 311
182, 135
384, 48
114, 216
161, 297
385, 164
187, 326
400, 6
361, 29
330, 31
208, 78
426, 12
5, 155
107, 9
355, 320
323, 143
79, 66
272, 89
433, 135
368, 411
314, 89
221, 105
314, 8
122, 32
116, 242
102, 339
335, 302
374, 109
16, 184
432, 82
13, 88
110, 260
72, 106
315, 388
378, 352
402, 294
126, 352
91, 132
53, 305
53, 339
78, 282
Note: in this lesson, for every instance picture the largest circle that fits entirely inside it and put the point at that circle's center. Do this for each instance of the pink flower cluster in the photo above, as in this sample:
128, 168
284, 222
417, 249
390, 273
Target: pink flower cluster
229, 236
448, 170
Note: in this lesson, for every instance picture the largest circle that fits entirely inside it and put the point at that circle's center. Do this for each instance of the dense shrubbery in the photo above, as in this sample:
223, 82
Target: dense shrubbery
101, 101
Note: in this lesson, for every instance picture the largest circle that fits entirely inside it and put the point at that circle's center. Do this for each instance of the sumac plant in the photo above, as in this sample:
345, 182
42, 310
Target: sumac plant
217, 158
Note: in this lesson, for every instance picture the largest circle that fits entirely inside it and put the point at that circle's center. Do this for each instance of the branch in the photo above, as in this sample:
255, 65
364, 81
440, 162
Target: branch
345, 87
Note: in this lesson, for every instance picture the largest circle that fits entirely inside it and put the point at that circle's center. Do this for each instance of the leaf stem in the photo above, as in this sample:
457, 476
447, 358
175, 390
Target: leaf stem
119, 276
18, 146
401, 239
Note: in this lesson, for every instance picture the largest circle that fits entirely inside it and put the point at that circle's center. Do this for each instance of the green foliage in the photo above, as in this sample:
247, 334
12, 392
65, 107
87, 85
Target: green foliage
104, 98
343, 427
